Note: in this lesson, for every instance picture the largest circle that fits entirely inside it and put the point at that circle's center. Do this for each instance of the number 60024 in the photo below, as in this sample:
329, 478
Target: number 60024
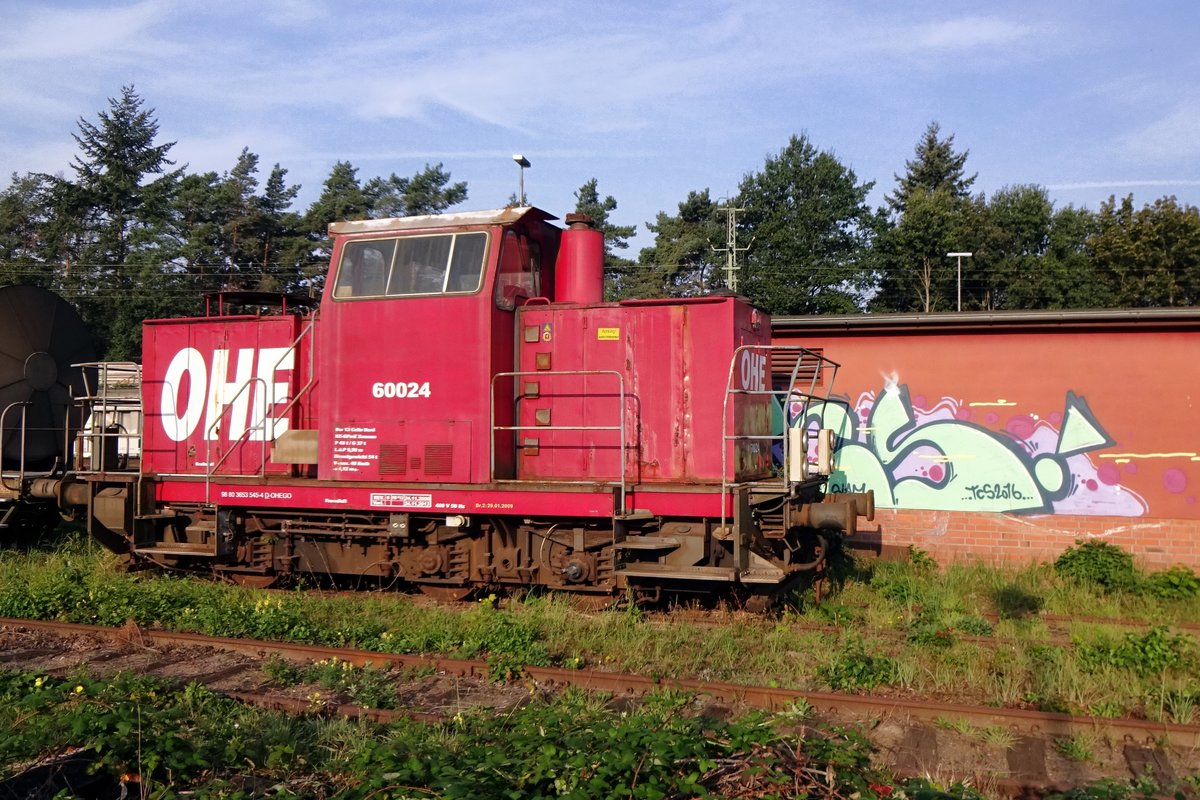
400, 389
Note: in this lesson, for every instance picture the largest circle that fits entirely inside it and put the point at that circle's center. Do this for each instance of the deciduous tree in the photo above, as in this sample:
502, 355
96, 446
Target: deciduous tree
1151, 256
810, 233
915, 273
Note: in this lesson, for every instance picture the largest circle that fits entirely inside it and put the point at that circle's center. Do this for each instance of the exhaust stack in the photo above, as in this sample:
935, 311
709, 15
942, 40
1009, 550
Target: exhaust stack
579, 271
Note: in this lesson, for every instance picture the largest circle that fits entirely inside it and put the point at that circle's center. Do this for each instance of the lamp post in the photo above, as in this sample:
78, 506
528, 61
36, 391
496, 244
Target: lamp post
522, 163
960, 257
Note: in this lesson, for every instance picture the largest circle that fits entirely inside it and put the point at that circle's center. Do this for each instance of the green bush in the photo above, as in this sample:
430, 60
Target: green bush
1148, 653
1176, 583
1099, 564
854, 668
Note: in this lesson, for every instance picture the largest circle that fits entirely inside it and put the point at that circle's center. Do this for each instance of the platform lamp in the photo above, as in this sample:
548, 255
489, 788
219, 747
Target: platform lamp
960, 257
522, 163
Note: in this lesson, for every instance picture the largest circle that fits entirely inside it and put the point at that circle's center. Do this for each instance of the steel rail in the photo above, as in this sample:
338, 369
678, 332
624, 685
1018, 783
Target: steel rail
1052, 622
768, 698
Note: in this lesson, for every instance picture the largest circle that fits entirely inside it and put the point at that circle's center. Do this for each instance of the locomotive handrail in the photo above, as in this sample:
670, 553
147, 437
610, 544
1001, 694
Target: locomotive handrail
791, 391
107, 404
210, 468
312, 372
21, 463
547, 373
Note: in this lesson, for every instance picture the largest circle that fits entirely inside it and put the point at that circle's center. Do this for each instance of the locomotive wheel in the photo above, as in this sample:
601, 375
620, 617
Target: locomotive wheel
760, 603
446, 594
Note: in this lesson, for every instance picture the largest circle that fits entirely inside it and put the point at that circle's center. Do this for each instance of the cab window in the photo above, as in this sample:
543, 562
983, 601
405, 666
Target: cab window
520, 270
411, 266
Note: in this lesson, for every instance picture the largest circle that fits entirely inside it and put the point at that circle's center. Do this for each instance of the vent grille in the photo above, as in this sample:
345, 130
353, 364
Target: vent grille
393, 459
783, 362
439, 459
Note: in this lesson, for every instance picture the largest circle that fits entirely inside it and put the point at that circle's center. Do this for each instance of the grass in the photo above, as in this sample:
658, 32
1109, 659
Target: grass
1080, 747
904, 626
164, 740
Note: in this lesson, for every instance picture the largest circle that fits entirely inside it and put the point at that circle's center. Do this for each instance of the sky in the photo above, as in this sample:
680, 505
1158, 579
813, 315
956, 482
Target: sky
653, 99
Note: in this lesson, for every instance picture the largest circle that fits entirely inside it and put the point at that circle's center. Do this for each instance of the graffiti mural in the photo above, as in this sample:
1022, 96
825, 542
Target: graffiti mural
945, 458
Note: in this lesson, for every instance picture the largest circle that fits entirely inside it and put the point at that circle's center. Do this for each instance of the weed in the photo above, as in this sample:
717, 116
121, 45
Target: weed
364, 686
973, 625
1006, 678
838, 613
998, 736
901, 587
960, 726
925, 634
906, 674
1178, 703
1078, 747
182, 742
1099, 564
1176, 583
1106, 709
853, 668
1016, 602
1148, 653
796, 710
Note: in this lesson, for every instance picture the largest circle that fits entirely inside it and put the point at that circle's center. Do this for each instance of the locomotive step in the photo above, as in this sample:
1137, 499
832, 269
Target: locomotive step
651, 570
649, 543
178, 549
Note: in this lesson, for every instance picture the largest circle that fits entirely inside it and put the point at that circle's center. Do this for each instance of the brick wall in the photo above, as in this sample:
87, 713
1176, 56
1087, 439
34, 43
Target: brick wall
998, 539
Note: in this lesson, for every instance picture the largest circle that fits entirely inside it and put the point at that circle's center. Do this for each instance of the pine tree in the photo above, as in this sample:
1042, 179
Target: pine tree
281, 243
119, 218
427, 192
682, 261
24, 216
616, 237
936, 167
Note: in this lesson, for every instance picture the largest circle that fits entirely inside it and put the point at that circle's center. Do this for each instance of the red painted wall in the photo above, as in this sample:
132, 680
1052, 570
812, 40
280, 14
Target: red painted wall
1010, 437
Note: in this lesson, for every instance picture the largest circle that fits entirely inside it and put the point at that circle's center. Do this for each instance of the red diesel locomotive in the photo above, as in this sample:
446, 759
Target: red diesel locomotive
463, 411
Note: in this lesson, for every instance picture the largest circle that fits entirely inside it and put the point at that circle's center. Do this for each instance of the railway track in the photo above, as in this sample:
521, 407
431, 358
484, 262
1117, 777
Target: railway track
1058, 627
915, 736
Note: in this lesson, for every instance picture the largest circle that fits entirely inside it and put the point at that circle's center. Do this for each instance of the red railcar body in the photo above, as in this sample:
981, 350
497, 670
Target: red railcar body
463, 411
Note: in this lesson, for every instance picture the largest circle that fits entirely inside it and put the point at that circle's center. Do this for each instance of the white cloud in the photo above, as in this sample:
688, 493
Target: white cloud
79, 35
1121, 184
1173, 136
966, 34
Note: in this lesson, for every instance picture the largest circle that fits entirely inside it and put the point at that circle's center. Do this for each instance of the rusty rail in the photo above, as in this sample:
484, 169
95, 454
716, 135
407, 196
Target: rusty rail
773, 699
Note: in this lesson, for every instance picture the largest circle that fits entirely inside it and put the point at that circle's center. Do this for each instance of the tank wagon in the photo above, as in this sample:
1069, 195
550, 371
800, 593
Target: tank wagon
461, 411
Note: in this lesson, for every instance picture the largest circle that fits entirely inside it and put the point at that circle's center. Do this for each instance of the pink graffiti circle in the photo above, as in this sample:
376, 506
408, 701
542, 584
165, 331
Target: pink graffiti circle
1174, 480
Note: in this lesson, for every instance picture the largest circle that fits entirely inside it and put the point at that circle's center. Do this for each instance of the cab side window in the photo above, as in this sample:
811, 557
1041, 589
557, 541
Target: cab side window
520, 270
466, 262
364, 268
420, 265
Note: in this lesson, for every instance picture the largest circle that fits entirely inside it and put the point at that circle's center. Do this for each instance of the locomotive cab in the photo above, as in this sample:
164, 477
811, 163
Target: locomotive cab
418, 315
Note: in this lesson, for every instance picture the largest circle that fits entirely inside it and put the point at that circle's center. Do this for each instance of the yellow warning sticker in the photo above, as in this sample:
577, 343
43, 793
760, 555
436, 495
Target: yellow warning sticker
608, 334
